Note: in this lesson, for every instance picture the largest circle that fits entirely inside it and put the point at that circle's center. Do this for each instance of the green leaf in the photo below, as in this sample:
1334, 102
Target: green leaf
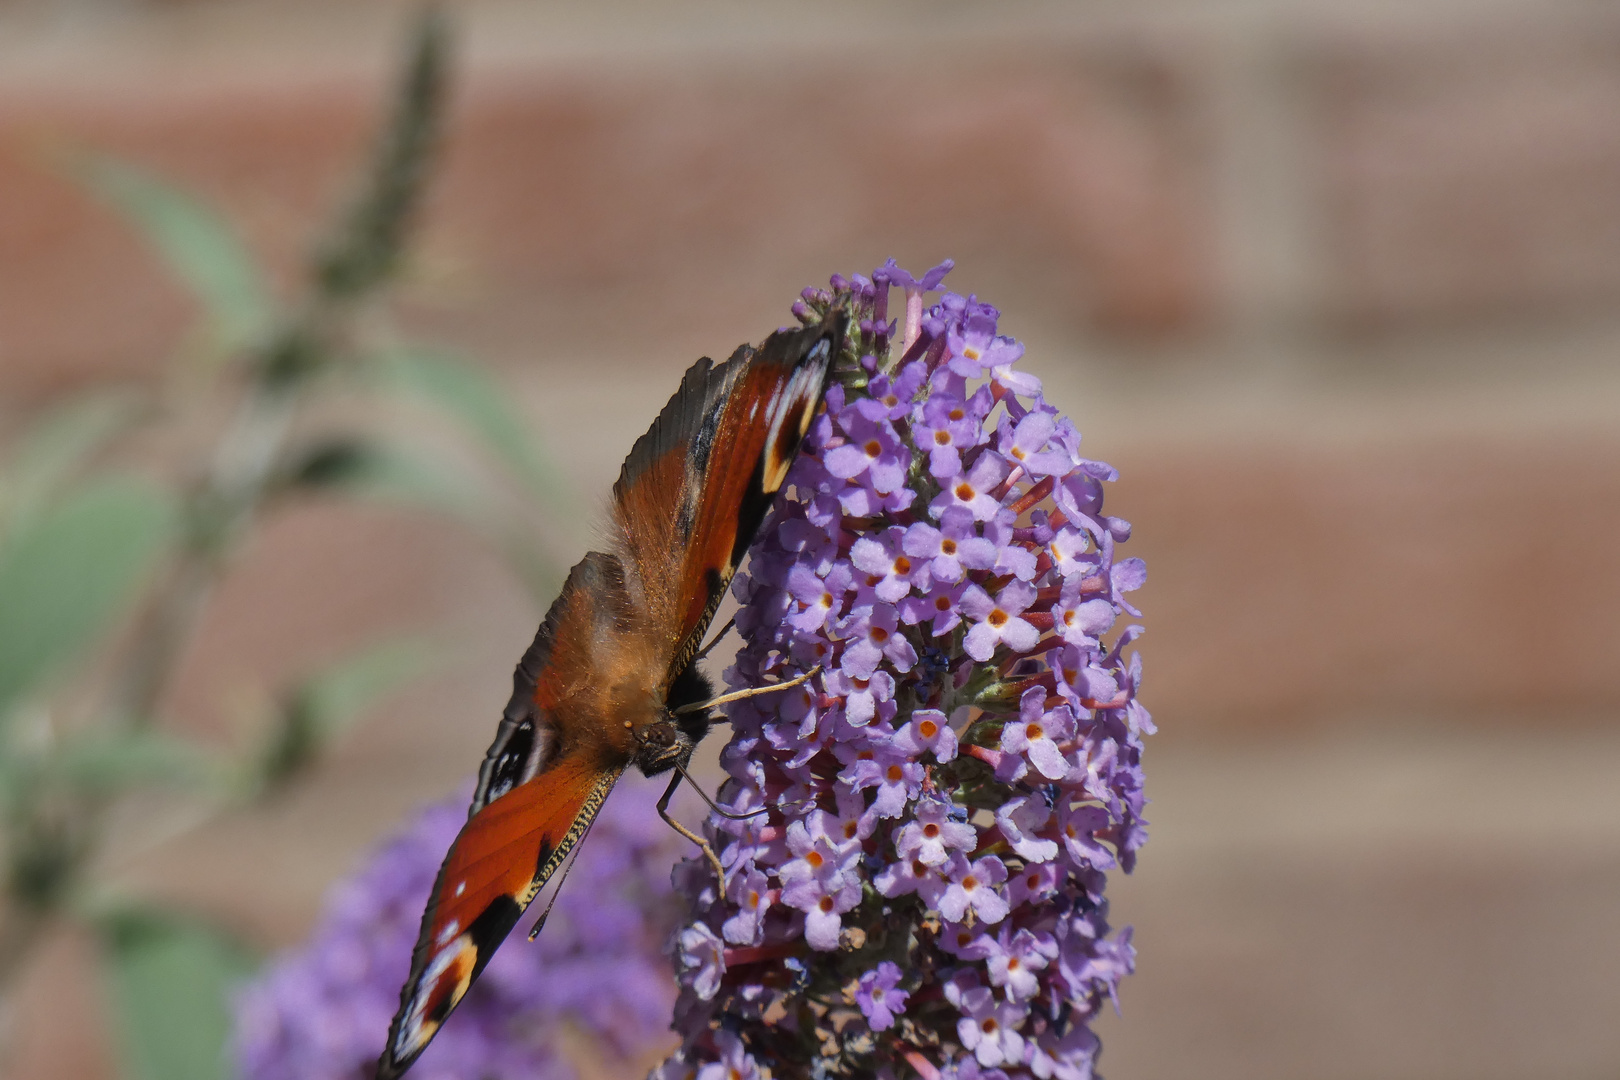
378, 470
328, 702
390, 473
105, 762
200, 248
69, 570
480, 406
171, 982
57, 445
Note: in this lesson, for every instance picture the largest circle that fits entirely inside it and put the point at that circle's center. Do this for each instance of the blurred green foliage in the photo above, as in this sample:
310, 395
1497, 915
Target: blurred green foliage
107, 571
171, 981
67, 568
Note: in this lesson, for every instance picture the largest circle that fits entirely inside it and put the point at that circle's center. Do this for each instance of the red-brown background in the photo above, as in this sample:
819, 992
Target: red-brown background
1334, 288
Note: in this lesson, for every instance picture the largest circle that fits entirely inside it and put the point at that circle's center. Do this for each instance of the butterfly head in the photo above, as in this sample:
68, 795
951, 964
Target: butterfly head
672, 735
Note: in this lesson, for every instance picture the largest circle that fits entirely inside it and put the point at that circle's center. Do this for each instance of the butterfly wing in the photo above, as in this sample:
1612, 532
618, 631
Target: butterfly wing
690, 498
695, 488
554, 760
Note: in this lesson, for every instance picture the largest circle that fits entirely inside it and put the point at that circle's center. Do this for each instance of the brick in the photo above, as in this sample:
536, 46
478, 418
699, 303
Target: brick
1459, 576
1470, 173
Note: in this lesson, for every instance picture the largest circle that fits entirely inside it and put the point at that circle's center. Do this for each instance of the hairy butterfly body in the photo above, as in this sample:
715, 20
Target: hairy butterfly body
612, 665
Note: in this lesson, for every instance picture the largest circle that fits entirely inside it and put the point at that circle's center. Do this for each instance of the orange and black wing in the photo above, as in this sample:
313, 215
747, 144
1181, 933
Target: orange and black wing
553, 762
696, 487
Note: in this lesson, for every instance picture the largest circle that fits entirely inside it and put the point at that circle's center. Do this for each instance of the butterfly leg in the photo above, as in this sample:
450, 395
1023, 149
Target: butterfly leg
663, 812
713, 806
714, 640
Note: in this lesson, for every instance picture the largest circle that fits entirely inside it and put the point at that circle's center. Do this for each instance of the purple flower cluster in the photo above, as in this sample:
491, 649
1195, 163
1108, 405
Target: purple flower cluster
923, 893
322, 1011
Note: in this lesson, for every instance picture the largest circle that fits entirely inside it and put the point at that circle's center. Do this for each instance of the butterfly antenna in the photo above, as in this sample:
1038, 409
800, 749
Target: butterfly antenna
712, 805
663, 812
738, 695
540, 923
707, 649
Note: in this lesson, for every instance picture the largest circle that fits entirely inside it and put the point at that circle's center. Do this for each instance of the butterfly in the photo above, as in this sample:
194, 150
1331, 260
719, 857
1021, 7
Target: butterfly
611, 679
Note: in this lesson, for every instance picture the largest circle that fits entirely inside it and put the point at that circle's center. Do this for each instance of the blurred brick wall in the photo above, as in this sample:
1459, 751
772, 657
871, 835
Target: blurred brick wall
1097, 176
1334, 288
